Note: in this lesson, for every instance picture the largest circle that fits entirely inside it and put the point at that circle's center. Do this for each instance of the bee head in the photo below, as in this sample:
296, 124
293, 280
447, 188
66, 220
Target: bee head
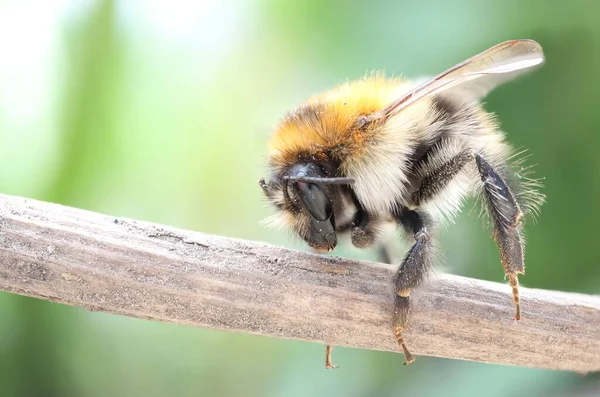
306, 196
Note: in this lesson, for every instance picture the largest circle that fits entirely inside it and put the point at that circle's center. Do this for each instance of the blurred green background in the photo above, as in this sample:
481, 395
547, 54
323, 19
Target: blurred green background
160, 111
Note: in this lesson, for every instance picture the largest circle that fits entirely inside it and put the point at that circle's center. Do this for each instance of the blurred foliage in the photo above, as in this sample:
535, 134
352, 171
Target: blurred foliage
160, 111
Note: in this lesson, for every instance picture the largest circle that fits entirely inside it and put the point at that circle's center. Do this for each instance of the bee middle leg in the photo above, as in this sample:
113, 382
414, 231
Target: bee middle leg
507, 216
411, 272
363, 234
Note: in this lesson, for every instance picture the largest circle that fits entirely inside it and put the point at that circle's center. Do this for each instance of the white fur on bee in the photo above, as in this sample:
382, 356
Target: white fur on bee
381, 173
445, 206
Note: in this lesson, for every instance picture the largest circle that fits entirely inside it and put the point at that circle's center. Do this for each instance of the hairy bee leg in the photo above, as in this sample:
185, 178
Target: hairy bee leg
362, 236
438, 178
363, 233
328, 350
401, 309
328, 363
506, 215
410, 273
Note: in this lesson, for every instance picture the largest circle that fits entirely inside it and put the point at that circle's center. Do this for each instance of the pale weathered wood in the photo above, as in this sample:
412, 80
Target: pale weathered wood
156, 272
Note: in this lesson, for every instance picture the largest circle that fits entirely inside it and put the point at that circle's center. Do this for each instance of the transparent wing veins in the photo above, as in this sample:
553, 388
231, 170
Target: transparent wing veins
474, 78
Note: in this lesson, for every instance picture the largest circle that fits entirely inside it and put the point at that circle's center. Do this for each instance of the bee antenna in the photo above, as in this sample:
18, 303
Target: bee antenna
320, 180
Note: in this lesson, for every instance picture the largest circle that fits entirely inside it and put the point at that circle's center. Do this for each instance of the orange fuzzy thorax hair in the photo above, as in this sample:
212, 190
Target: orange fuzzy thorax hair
323, 126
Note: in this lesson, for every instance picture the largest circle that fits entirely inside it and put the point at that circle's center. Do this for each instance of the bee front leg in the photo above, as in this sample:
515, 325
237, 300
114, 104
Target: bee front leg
328, 363
411, 272
365, 230
507, 216
362, 233
328, 350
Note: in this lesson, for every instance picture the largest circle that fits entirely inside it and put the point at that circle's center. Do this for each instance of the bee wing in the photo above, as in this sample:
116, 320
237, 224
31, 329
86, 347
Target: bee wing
474, 78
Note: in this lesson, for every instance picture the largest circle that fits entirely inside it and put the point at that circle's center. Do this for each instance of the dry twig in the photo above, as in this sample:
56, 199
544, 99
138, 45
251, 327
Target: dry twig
160, 273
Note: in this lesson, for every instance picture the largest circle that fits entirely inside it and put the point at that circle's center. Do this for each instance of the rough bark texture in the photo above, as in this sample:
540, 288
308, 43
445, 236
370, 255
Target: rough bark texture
155, 272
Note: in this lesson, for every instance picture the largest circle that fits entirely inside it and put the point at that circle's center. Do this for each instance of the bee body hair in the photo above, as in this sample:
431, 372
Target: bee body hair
378, 152
390, 161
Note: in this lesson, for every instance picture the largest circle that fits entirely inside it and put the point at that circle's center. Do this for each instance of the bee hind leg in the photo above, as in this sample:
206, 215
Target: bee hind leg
506, 216
411, 272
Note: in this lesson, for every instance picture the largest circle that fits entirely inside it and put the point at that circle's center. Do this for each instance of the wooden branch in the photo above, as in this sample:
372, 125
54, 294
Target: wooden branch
160, 273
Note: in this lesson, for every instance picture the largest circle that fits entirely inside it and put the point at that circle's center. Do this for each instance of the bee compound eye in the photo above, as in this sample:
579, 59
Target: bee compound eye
315, 200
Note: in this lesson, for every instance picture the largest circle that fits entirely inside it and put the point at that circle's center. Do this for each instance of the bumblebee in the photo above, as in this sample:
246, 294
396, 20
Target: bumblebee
390, 150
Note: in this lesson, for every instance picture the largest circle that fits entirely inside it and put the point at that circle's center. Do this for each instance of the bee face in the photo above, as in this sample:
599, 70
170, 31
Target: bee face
308, 207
